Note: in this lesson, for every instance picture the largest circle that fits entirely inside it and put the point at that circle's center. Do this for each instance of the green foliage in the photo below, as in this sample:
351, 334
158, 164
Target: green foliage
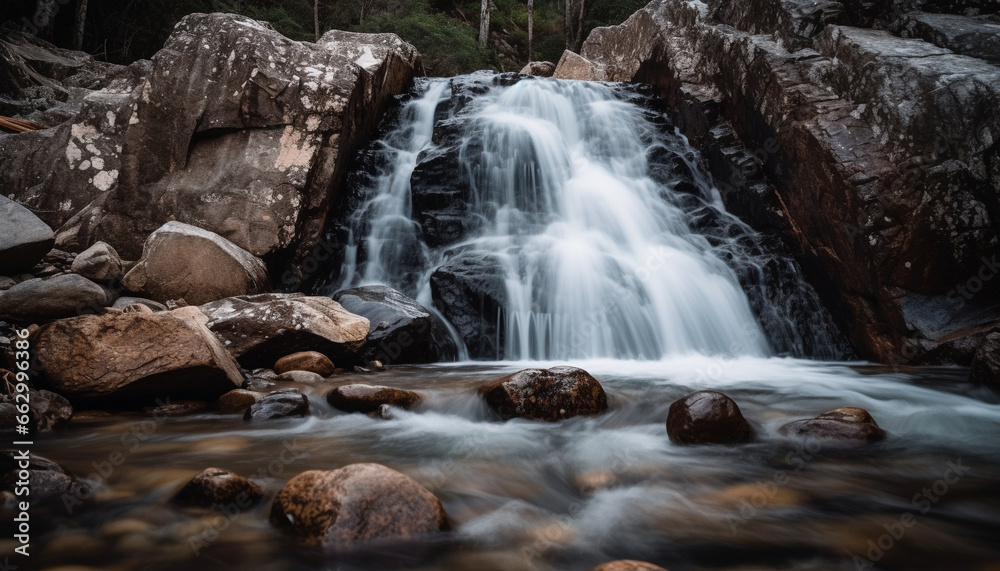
448, 47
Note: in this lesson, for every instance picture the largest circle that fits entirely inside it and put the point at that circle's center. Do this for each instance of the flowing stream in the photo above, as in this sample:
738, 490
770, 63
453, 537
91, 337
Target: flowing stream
612, 252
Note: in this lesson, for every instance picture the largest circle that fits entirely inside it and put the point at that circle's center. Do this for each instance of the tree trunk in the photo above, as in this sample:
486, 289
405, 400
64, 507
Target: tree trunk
484, 23
573, 17
531, 30
81, 21
316, 18
578, 35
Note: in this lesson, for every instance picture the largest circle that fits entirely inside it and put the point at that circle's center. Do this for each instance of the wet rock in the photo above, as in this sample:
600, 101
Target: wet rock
376, 365
47, 410
131, 358
24, 238
238, 401
469, 291
986, 363
575, 66
48, 479
403, 331
258, 330
842, 424
8, 416
55, 297
311, 361
177, 408
707, 417
278, 404
127, 301
306, 377
215, 486
627, 565
359, 502
184, 261
99, 262
369, 398
550, 395
539, 69
361, 370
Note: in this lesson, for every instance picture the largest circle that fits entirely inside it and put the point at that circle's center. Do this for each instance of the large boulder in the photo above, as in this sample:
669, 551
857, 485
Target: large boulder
132, 358
707, 417
180, 261
402, 330
66, 295
24, 238
550, 395
847, 424
359, 502
470, 290
878, 151
574, 66
260, 329
232, 128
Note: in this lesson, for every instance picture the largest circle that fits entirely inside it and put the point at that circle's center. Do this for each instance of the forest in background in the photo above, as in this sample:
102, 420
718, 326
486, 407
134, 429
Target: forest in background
448, 33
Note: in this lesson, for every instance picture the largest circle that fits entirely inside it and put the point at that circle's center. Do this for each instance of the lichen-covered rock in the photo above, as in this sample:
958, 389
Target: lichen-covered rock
707, 417
215, 486
402, 330
550, 395
180, 261
370, 398
845, 424
312, 361
231, 127
66, 295
359, 502
24, 238
132, 358
260, 329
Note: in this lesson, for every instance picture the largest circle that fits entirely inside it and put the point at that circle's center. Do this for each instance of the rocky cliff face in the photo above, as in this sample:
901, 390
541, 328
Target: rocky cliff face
232, 128
875, 153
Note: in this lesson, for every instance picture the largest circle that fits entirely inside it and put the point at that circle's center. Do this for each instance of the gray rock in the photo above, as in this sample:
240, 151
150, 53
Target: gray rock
99, 262
469, 291
403, 331
278, 404
24, 238
184, 261
575, 66
66, 295
971, 36
125, 301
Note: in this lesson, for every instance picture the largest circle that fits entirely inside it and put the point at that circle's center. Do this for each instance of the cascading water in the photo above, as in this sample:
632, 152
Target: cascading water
592, 225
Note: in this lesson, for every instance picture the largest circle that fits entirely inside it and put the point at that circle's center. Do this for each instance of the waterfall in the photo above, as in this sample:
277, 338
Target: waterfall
588, 222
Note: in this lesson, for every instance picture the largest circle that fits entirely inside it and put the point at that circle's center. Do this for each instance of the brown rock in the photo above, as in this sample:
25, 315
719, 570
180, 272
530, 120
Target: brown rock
260, 329
369, 398
627, 565
311, 361
305, 377
238, 401
550, 395
847, 424
215, 486
47, 478
539, 69
575, 66
707, 417
129, 357
356, 503
184, 261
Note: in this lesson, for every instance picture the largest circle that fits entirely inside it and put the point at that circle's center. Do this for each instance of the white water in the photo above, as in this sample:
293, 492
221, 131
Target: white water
597, 262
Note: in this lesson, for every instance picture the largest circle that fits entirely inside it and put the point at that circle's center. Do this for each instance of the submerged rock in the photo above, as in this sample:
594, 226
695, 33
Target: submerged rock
311, 361
707, 417
845, 424
550, 395
359, 502
180, 261
130, 358
627, 565
370, 398
48, 479
24, 238
402, 330
215, 486
260, 329
66, 295
278, 404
